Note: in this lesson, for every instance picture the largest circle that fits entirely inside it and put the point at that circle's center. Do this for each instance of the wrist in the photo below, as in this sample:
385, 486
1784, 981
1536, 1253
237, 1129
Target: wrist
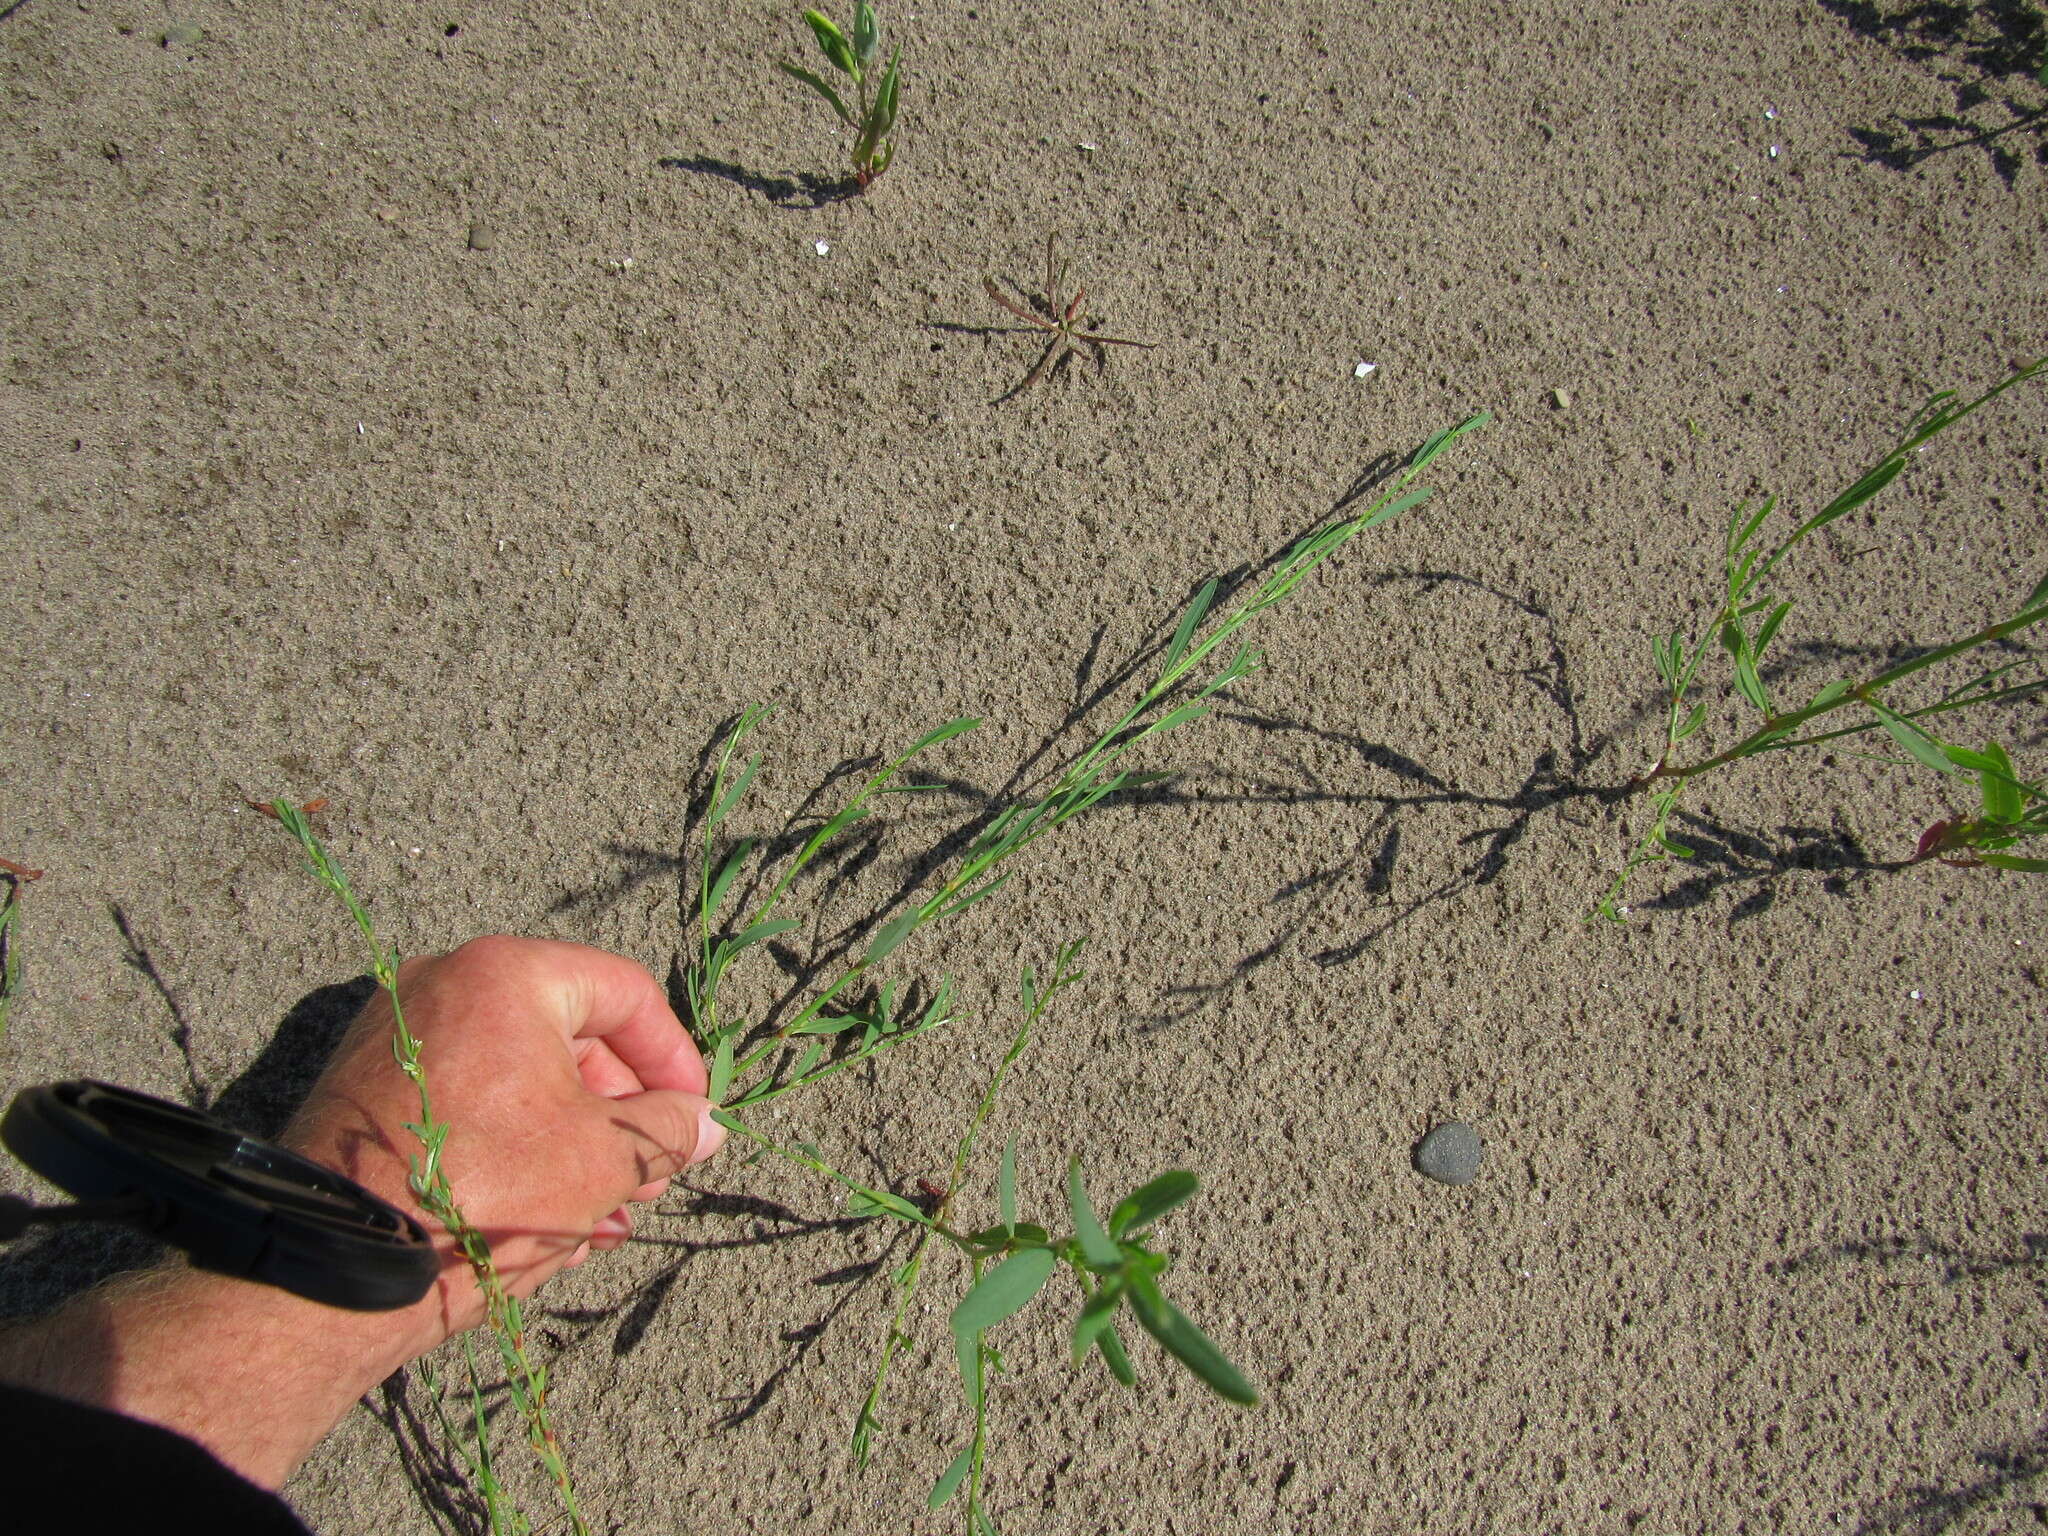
253, 1374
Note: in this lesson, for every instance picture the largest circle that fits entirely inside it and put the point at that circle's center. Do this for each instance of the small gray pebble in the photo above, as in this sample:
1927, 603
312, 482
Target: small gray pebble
481, 236
1449, 1154
184, 34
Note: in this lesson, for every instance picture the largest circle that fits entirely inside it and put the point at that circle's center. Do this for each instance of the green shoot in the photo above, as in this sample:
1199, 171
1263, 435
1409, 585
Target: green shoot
526, 1381
874, 113
1011, 1262
1749, 619
502, 1514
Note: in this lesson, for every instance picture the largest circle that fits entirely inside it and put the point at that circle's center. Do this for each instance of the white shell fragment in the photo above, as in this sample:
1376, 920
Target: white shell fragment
1363, 370
823, 248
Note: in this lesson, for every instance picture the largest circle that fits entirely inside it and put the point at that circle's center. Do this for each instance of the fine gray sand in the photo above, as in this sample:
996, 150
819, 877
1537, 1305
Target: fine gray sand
304, 494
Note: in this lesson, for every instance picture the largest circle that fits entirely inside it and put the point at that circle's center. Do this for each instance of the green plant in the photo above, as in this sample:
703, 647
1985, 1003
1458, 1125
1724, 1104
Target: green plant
525, 1380
1748, 620
852, 1020
1063, 323
873, 149
1009, 1262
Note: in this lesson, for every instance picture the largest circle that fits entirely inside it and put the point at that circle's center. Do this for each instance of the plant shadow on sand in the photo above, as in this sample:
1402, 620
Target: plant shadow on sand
2001, 1473
1990, 56
1557, 778
1745, 863
801, 192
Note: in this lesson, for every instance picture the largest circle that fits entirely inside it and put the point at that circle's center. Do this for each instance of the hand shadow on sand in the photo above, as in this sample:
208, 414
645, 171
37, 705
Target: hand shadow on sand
800, 192
1988, 55
1994, 1473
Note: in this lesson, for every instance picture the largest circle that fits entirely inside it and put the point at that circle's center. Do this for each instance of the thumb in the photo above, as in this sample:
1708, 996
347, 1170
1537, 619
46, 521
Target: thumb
662, 1131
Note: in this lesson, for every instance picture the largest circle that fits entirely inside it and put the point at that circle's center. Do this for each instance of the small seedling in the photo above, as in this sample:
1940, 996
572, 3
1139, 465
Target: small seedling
1063, 325
873, 149
2012, 808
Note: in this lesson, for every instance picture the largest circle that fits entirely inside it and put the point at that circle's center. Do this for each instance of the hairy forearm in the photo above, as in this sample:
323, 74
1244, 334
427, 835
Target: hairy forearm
253, 1374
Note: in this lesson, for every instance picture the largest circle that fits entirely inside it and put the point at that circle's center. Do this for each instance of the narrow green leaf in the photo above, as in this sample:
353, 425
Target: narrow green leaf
1439, 441
994, 1298
1672, 846
837, 1025
2003, 802
1733, 640
2014, 861
1006, 1184
757, 933
1395, 508
883, 117
945, 732
1189, 621
950, 1480
1747, 683
1693, 722
809, 1059
1174, 719
1179, 1337
2036, 597
1857, 494
979, 893
1747, 531
721, 1069
1147, 1203
838, 824
817, 84
894, 933
1014, 1235
832, 41
1667, 664
1098, 1312
732, 795
1096, 1248
863, 1203
1114, 1357
1829, 694
716, 896
1770, 628
1914, 741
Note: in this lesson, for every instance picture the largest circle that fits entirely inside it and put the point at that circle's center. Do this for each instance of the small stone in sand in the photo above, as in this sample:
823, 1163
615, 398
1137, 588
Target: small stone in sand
1449, 1154
481, 236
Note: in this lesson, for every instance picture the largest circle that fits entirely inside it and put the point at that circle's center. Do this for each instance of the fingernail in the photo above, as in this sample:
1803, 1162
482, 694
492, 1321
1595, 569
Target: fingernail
710, 1134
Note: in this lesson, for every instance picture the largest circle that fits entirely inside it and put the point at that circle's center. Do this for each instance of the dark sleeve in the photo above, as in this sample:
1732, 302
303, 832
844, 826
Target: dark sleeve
110, 1473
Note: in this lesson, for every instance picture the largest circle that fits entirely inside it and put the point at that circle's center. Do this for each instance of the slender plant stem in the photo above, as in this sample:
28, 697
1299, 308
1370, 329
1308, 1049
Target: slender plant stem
1765, 737
527, 1380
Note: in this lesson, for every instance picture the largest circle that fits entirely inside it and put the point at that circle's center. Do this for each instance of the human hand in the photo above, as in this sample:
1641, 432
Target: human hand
570, 1089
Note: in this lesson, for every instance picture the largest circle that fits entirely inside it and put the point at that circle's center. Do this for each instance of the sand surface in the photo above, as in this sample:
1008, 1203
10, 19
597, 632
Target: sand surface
302, 493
